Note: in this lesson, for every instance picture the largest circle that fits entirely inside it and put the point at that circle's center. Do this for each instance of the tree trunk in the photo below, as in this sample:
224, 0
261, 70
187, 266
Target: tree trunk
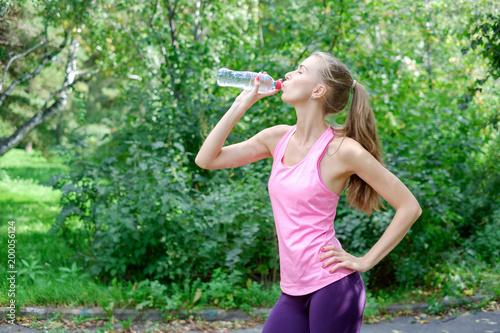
46, 112
29, 147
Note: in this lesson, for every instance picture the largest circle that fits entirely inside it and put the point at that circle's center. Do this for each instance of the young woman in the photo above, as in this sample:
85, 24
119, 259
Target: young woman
312, 163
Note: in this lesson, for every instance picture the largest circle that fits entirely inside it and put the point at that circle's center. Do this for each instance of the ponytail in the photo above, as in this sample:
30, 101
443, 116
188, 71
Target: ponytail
360, 125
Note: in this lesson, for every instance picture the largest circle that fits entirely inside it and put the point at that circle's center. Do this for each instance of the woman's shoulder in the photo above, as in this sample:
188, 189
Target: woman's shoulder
272, 135
280, 128
345, 147
275, 132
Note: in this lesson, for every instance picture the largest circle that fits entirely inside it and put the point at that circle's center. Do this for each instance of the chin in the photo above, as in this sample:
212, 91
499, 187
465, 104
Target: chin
288, 101
284, 99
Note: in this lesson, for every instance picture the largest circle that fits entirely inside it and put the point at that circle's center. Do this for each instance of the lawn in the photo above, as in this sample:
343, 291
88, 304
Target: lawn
46, 271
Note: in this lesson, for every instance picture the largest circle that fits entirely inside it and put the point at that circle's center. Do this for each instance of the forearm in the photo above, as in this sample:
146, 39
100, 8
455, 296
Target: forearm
213, 144
401, 223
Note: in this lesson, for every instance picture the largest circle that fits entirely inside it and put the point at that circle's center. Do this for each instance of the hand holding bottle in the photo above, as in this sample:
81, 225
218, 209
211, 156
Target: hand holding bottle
247, 98
213, 154
244, 80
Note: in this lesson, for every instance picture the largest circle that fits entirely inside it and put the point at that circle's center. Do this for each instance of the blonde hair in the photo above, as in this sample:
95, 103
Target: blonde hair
360, 124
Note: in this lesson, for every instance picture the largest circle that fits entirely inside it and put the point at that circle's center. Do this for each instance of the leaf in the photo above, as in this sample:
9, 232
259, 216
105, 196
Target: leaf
197, 295
141, 305
158, 145
179, 147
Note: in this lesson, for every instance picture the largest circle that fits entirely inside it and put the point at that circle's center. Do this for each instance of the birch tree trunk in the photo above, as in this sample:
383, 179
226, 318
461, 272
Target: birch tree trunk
47, 111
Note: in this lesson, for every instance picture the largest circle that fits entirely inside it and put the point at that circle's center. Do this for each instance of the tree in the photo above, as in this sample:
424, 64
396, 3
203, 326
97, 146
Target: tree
143, 202
57, 99
485, 32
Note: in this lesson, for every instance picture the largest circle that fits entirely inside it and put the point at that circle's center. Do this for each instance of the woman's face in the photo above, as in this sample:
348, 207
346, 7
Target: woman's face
300, 84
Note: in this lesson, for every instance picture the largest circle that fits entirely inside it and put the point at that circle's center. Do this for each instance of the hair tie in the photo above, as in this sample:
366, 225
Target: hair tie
353, 84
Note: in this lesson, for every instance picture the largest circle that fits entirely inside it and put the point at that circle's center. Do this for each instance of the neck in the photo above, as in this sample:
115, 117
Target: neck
310, 122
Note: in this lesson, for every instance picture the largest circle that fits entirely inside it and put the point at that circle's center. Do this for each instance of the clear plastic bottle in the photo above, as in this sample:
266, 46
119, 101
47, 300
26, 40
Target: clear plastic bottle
244, 80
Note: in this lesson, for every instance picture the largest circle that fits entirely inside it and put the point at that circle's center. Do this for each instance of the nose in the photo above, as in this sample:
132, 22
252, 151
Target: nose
288, 76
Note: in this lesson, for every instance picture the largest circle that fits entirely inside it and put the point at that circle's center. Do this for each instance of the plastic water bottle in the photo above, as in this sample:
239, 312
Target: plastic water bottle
244, 80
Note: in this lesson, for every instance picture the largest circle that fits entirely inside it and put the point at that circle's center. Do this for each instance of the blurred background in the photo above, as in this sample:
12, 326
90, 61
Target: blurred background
105, 103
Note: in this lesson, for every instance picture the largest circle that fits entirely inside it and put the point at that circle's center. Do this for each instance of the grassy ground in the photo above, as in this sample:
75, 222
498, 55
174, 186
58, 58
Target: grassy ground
49, 275
28, 203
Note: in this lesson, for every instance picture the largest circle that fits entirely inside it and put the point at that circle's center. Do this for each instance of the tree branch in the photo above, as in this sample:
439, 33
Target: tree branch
339, 28
171, 21
47, 111
175, 45
48, 56
155, 33
20, 55
200, 5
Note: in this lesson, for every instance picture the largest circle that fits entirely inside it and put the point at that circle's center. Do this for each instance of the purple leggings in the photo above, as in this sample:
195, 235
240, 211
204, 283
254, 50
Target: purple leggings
336, 308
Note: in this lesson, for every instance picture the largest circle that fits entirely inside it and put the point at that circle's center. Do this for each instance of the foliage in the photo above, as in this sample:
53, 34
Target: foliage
32, 270
485, 33
143, 209
486, 241
174, 232
461, 272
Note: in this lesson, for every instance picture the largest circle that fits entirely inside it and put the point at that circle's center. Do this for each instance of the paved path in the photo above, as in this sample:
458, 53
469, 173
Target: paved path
480, 322
468, 322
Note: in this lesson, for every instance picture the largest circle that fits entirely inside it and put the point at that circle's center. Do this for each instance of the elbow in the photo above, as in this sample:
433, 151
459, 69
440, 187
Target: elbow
411, 210
203, 163
417, 210
199, 162
418, 213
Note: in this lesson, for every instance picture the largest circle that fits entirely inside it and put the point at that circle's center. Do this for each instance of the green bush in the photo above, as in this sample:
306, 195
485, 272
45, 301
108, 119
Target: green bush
142, 218
486, 241
142, 208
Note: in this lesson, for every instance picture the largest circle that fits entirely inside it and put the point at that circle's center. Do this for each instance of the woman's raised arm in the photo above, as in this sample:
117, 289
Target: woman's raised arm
213, 154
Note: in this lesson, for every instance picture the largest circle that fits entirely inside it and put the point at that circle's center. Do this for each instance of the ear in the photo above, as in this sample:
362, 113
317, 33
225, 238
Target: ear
319, 92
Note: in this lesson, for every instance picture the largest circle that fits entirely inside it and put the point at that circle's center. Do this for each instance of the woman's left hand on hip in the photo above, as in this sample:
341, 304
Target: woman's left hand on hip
340, 258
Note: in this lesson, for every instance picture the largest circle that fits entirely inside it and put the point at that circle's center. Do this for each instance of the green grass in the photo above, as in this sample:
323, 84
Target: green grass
32, 206
20, 164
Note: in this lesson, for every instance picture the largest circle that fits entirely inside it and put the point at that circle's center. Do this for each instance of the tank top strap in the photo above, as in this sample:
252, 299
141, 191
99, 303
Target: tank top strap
279, 150
322, 145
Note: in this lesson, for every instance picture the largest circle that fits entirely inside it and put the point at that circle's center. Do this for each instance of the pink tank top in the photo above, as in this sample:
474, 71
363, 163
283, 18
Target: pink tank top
304, 211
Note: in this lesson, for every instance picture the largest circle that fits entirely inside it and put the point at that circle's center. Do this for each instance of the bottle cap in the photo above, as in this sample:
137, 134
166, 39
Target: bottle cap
278, 84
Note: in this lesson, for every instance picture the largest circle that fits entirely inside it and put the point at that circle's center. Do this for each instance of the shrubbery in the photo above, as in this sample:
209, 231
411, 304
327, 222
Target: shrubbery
144, 218
142, 209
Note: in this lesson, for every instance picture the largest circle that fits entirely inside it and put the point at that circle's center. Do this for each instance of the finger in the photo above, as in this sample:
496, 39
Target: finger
329, 248
269, 93
326, 255
336, 267
331, 261
256, 84
334, 252
279, 84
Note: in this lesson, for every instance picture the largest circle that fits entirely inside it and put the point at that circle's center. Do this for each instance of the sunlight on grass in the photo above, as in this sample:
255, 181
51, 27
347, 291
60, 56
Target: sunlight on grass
27, 191
20, 164
48, 274
25, 200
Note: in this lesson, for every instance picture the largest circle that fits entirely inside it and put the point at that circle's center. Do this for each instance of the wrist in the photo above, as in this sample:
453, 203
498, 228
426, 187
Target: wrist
368, 262
239, 108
